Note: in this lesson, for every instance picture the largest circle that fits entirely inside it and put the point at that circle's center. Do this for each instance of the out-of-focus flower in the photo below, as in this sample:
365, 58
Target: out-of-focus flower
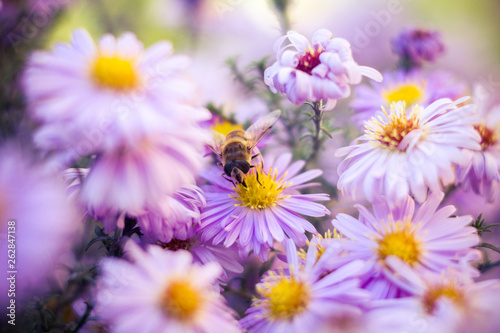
323, 70
482, 173
162, 291
91, 98
39, 227
131, 179
301, 300
414, 87
176, 226
427, 240
174, 216
408, 153
446, 302
415, 46
268, 208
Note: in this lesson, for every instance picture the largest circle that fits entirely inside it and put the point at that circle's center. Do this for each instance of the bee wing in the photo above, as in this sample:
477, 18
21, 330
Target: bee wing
219, 139
257, 131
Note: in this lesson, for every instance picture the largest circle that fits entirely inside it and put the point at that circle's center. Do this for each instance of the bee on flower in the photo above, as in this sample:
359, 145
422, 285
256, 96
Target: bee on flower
269, 208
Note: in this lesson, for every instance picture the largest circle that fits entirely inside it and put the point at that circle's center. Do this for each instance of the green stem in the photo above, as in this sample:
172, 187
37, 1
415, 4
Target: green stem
317, 119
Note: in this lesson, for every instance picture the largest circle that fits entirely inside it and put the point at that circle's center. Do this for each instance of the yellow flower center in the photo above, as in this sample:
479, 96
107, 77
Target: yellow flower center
434, 293
489, 136
180, 300
286, 298
401, 242
408, 93
261, 191
224, 127
319, 244
391, 131
115, 73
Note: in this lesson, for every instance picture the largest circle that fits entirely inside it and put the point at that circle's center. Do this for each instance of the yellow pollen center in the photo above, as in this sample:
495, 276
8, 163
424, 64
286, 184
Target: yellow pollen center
180, 300
287, 298
408, 93
489, 136
434, 293
391, 131
261, 191
400, 242
224, 127
115, 73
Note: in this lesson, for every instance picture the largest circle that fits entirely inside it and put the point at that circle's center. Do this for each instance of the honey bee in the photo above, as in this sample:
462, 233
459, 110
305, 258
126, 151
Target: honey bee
235, 148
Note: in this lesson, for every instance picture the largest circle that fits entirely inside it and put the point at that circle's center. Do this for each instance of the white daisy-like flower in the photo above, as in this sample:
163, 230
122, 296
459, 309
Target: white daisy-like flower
448, 302
91, 97
162, 291
482, 174
408, 152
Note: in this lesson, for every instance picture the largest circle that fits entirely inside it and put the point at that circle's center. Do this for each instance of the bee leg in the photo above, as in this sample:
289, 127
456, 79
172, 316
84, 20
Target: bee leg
228, 179
220, 164
257, 175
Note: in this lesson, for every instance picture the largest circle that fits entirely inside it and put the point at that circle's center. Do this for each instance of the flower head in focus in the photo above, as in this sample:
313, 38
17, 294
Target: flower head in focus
267, 209
321, 70
40, 225
415, 46
427, 240
301, 300
408, 152
482, 174
162, 291
414, 87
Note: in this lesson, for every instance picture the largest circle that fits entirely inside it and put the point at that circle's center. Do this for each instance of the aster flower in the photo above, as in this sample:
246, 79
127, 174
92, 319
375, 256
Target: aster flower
414, 87
177, 227
446, 302
39, 224
162, 291
415, 46
300, 300
321, 70
267, 209
482, 173
428, 240
408, 152
132, 179
90, 98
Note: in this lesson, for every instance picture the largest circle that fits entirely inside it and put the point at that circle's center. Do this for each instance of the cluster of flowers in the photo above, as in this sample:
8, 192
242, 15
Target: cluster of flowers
406, 265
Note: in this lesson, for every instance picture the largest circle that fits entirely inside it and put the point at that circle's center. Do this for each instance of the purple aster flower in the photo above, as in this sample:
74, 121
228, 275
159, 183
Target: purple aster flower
408, 152
446, 302
301, 300
267, 209
414, 87
162, 291
177, 227
323, 70
92, 98
414, 46
131, 179
482, 174
39, 224
428, 240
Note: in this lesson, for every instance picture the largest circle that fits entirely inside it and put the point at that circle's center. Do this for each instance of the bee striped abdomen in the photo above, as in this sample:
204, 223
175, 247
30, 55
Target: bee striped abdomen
235, 147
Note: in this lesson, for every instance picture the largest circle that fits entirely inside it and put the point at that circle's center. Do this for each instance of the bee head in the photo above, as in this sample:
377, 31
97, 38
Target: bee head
237, 170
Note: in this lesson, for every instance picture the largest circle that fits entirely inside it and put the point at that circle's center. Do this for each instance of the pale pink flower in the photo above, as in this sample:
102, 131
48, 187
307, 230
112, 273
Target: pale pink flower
408, 152
321, 70
162, 291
